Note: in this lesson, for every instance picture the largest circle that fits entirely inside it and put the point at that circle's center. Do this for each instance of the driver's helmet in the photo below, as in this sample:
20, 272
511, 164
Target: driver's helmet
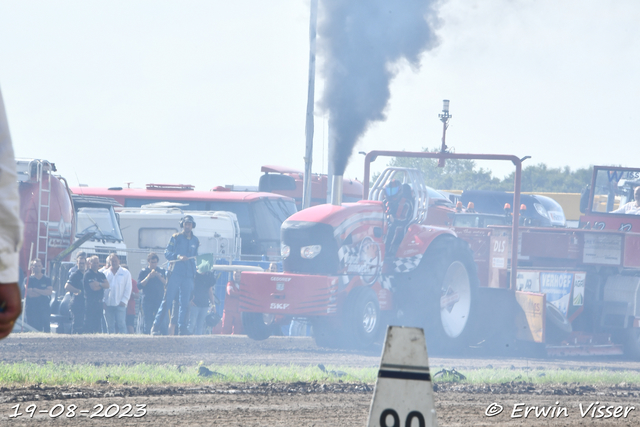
393, 190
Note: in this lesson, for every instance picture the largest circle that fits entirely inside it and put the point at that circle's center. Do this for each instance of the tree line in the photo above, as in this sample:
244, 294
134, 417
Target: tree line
466, 175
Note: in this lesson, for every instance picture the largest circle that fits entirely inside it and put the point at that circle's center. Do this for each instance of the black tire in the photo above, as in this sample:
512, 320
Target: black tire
362, 319
632, 343
256, 327
448, 296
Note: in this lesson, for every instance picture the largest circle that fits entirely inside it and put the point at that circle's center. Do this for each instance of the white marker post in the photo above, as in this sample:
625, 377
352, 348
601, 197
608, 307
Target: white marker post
403, 394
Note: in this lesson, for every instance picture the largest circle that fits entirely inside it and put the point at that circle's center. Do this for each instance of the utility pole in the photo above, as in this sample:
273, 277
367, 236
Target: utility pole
308, 157
444, 118
330, 149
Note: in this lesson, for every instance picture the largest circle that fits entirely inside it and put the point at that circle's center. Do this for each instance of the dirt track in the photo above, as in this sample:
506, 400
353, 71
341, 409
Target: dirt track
277, 404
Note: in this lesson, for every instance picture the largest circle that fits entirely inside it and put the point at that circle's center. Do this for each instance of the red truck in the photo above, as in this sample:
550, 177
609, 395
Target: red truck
289, 182
47, 211
571, 291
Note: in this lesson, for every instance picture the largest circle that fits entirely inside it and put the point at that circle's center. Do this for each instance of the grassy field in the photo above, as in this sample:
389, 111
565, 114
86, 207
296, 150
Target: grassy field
147, 374
23, 374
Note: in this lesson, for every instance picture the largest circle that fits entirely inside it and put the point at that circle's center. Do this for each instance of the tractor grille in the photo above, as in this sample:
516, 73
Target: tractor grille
297, 234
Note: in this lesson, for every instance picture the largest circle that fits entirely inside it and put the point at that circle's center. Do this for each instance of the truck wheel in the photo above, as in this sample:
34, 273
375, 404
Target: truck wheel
632, 343
257, 326
362, 318
451, 294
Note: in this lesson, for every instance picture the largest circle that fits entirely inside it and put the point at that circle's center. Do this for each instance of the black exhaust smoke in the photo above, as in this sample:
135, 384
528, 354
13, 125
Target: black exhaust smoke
361, 43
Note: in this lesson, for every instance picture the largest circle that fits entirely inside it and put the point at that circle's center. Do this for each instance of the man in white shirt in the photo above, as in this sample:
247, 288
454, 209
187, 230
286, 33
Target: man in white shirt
117, 295
633, 207
10, 231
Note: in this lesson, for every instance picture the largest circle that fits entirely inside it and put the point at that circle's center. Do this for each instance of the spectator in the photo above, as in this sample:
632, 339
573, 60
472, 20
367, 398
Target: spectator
75, 285
182, 251
201, 299
131, 307
231, 318
117, 296
39, 290
633, 207
83, 255
95, 282
152, 280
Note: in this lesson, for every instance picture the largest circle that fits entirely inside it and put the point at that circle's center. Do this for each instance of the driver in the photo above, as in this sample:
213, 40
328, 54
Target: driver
398, 205
633, 207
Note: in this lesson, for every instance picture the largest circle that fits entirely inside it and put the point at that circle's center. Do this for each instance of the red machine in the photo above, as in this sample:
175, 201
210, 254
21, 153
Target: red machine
47, 212
571, 291
288, 182
611, 188
338, 271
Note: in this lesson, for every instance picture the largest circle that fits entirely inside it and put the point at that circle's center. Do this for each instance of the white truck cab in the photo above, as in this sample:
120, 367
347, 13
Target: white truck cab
96, 215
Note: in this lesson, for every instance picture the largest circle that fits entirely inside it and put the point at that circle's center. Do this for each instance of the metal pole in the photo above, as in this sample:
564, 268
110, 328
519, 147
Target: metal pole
308, 158
336, 192
515, 234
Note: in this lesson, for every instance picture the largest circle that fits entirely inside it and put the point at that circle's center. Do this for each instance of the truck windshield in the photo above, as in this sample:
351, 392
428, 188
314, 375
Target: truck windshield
614, 189
102, 221
269, 214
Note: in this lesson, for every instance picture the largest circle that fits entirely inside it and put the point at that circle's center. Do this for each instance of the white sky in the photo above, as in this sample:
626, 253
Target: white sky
206, 92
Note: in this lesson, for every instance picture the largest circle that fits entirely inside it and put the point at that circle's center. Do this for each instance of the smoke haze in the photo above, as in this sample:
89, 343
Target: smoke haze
360, 41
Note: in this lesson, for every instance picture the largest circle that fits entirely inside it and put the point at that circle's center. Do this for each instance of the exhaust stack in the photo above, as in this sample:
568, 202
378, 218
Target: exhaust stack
336, 190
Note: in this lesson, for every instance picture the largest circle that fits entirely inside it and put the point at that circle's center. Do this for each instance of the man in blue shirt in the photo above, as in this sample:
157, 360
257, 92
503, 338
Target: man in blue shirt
181, 253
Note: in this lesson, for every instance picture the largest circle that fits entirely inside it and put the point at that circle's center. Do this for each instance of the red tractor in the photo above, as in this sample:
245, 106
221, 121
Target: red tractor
571, 291
346, 273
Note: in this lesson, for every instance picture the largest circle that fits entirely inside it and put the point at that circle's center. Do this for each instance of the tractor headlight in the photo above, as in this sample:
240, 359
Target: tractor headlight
309, 252
285, 251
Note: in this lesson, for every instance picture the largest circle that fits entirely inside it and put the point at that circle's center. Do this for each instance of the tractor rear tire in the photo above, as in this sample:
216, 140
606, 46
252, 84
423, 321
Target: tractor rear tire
449, 295
256, 327
362, 319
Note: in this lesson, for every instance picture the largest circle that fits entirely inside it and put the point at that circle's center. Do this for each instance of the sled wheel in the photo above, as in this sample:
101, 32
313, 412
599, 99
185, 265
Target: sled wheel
257, 326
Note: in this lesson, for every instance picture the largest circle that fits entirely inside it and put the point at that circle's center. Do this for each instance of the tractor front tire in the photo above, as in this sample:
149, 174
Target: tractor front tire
362, 319
255, 326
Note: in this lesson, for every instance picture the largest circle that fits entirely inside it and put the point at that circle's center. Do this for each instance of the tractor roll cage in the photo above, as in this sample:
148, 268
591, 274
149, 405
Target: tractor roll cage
415, 179
442, 156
